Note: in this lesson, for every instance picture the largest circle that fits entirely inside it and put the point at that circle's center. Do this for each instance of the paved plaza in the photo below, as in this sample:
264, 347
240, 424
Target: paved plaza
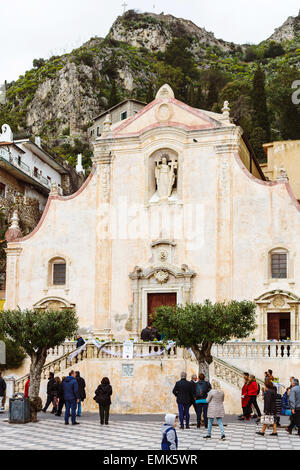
130, 432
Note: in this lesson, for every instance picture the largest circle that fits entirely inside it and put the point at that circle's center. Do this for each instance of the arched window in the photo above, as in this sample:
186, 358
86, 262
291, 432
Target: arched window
278, 262
57, 272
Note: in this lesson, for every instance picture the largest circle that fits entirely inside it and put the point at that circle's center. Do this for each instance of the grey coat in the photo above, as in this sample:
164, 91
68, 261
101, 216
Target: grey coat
294, 397
215, 401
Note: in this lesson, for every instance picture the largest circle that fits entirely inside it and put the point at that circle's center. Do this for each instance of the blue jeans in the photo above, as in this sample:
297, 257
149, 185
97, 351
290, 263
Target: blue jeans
220, 424
183, 411
73, 405
79, 408
202, 407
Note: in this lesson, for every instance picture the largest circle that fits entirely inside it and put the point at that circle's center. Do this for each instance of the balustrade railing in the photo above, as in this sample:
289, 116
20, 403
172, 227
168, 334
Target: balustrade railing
109, 351
257, 350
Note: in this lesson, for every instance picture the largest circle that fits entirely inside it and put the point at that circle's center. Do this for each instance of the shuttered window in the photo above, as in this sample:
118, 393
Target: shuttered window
59, 274
279, 265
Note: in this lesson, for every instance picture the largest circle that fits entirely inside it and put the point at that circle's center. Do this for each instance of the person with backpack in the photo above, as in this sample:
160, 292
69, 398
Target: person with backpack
202, 389
169, 436
102, 397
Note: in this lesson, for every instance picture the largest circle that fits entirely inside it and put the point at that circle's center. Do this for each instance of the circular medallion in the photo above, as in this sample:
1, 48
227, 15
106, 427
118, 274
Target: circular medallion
164, 112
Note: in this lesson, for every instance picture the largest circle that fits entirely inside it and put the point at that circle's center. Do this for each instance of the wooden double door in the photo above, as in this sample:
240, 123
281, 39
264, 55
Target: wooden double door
157, 300
279, 326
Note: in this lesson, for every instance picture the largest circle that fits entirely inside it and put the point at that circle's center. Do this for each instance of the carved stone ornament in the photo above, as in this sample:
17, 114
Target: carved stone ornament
278, 301
161, 276
163, 255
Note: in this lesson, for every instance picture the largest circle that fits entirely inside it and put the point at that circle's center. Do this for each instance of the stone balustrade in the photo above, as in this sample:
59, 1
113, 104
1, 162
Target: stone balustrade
109, 351
257, 350
230, 374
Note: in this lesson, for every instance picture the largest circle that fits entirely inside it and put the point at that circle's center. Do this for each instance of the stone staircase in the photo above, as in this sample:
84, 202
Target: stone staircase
62, 365
220, 369
230, 374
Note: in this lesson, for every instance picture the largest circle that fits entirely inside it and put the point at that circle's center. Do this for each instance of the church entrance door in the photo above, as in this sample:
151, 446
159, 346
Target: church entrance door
279, 326
157, 300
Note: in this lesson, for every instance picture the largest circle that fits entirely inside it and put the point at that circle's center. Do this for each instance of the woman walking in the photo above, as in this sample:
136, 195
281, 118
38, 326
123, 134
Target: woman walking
215, 399
269, 417
102, 397
252, 392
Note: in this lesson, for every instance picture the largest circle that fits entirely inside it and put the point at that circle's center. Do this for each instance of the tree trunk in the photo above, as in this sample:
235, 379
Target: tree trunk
38, 360
204, 358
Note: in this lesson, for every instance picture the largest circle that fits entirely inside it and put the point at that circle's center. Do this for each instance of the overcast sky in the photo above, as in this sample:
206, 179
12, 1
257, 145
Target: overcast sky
41, 28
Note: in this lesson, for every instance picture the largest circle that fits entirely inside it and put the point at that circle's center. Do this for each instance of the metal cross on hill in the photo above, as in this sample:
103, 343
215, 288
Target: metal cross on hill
124, 5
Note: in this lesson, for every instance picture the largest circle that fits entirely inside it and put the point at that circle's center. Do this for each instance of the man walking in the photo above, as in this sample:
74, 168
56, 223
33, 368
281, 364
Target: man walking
71, 395
184, 393
51, 387
2, 392
194, 382
294, 399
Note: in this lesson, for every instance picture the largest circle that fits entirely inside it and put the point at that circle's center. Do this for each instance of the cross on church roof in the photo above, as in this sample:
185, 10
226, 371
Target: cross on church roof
124, 5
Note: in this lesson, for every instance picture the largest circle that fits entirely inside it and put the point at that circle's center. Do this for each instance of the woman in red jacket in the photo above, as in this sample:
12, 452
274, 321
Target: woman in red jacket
26, 389
252, 393
245, 399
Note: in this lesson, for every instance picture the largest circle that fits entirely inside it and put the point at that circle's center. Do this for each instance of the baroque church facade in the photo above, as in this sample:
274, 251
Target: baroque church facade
176, 209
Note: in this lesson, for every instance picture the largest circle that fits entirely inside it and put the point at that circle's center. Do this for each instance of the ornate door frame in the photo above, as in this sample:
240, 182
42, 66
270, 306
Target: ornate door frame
278, 301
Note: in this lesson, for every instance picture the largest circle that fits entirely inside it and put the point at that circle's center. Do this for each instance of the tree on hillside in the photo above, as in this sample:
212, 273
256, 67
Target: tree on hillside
287, 113
113, 96
178, 54
257, 139
199, 326
36, 331
260, 116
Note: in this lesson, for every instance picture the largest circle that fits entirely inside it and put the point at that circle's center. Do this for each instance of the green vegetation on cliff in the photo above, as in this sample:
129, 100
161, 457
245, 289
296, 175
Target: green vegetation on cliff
141, 52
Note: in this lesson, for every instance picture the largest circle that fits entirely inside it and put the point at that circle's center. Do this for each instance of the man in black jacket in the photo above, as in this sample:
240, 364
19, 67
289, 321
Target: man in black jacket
51, 387
2, 391
184, 393
81, 391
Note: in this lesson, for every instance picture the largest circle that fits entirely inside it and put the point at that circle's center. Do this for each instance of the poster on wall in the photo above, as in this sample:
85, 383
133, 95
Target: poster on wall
127, 349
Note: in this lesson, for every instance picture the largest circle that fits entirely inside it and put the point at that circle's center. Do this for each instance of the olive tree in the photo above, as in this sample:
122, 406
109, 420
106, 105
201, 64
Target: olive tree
199, 326
36, 331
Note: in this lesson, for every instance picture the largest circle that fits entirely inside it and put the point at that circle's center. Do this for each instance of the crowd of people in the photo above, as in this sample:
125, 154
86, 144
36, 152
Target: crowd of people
208, 401
69, 392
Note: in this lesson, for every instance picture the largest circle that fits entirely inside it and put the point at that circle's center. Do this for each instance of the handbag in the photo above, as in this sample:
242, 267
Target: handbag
267, 420
202, 400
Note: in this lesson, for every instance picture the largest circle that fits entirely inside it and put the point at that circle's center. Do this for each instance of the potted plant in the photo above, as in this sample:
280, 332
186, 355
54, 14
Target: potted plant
253, 339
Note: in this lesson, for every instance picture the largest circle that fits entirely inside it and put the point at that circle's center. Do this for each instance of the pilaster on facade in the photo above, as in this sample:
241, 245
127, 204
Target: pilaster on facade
12, 276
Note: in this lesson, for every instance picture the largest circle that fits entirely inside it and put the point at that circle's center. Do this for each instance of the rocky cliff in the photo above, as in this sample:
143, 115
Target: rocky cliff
155, 32
59, 97
289, 31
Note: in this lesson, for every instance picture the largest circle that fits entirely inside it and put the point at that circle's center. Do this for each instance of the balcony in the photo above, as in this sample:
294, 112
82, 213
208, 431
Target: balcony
4, 154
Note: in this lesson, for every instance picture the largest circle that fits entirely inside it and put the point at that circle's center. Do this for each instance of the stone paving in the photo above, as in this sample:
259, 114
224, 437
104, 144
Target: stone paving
130, 432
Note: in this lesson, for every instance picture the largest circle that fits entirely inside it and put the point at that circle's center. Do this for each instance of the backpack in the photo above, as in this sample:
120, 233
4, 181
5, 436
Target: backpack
165, 444
201, 389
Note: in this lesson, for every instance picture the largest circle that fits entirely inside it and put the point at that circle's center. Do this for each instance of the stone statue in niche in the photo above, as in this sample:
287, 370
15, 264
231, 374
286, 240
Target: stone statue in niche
165, 176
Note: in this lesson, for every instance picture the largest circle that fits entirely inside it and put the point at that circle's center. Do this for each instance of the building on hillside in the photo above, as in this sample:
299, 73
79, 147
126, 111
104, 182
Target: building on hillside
283, 157
27, 172
176, 209
119, 112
